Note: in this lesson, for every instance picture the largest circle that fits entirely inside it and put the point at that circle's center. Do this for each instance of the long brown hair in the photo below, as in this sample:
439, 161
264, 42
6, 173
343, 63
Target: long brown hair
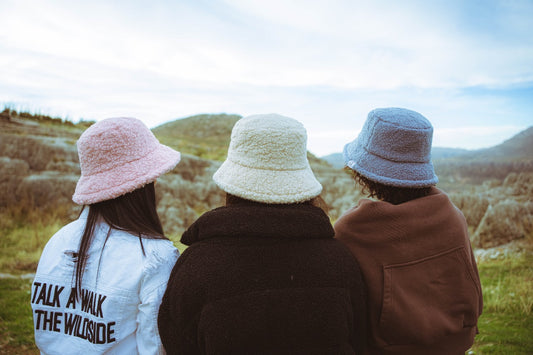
134, 212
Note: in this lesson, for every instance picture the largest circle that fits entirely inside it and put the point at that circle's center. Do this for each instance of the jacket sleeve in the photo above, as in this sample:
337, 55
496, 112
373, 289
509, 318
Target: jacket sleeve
154, 282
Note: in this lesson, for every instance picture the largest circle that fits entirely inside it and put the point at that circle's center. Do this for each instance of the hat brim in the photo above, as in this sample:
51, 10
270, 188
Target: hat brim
384, 171
133, 175
267, 186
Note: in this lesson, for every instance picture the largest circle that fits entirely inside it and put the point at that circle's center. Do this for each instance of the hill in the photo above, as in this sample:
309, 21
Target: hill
519, 147
205, 136
39, 168
515, 155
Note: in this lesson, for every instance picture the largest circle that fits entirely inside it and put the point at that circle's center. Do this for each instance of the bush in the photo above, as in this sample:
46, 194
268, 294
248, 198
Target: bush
12, 171
38, 152
473, 206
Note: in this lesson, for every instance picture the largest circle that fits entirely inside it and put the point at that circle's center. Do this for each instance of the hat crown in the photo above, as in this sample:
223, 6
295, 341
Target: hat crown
393, 148
397, 134
113, 142
269, 141
267, 161
117, 156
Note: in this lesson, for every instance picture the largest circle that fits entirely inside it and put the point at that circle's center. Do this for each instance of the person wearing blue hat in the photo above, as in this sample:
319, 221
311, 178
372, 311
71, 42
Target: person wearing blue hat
411, 241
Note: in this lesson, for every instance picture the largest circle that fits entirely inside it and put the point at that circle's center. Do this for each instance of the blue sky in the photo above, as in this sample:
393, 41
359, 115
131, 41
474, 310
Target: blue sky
466, 65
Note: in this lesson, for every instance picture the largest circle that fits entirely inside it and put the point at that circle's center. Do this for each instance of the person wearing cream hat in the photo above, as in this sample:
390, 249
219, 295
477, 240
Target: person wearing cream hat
424, 292
263, 274
100, 279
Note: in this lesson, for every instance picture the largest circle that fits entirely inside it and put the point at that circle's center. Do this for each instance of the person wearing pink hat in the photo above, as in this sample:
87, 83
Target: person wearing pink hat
100, 279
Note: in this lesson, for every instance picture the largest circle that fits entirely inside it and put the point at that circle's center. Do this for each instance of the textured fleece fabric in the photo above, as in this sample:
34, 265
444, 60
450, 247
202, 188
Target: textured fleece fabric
267, 161
117, 156
121, 293
424, 293
394, 148
263, 279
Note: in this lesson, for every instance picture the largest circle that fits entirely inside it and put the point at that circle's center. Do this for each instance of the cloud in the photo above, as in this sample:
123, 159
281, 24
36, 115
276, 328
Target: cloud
386, 45
325, 63
346, 44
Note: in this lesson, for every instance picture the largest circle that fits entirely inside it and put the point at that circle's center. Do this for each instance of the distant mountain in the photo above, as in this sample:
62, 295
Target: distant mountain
337, 161
515, 155
444, 153
519, 147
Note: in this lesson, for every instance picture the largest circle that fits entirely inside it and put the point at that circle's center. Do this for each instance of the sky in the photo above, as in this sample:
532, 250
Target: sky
465, 65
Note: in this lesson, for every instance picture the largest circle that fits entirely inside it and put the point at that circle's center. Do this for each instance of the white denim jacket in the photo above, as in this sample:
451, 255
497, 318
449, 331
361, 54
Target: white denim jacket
120, 298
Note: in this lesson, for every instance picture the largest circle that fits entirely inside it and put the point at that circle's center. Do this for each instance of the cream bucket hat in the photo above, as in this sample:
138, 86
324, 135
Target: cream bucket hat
267, 161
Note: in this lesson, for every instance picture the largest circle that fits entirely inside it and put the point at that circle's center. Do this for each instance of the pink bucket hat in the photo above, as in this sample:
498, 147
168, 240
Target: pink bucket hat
117, 156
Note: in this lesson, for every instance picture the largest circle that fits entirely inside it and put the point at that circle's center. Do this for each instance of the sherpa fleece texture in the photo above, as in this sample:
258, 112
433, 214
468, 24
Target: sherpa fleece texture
117, 156
394, 148
263, 279
424, 292
267, 161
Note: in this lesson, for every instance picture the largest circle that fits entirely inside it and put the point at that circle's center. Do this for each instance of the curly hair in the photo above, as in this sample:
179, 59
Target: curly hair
392, 194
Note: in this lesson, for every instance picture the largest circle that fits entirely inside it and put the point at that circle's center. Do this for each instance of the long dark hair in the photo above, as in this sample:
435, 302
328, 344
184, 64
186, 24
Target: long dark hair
134, 212
392, 194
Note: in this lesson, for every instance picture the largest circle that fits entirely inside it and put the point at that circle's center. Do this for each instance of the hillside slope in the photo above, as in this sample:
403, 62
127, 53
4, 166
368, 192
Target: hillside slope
515, 155
205, 136
39, 169
518, 147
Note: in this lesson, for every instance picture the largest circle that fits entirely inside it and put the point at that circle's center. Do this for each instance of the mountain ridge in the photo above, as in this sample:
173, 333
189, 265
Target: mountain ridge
516, 148
39, 166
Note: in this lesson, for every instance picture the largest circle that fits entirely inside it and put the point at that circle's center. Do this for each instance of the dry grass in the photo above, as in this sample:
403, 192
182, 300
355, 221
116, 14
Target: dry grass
25, 231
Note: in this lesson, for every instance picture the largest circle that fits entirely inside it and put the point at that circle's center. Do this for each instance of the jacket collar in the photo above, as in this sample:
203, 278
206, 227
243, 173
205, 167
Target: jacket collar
296, 221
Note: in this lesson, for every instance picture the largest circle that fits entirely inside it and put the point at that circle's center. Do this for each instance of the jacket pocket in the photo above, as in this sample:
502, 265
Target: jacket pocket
428, 299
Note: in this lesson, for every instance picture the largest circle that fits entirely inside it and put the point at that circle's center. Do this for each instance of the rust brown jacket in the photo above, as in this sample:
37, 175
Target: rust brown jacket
424, 292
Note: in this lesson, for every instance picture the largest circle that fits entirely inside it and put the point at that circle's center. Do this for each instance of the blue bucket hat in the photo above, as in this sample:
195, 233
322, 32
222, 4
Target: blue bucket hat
393, 148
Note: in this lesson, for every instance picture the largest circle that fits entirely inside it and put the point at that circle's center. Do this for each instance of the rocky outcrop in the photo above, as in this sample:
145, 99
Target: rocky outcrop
504, 222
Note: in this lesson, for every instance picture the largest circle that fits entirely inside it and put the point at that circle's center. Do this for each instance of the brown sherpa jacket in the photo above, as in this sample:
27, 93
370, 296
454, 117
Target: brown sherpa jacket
264, 279
424, 292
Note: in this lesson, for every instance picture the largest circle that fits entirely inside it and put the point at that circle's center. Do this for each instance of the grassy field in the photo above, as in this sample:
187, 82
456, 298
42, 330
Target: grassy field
505, 326
507, 321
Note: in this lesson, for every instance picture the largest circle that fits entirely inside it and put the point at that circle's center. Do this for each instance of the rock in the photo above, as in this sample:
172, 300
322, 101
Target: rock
504, 222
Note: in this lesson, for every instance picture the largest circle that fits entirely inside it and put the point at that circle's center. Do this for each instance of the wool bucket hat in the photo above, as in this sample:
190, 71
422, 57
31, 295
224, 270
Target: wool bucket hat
117, 156
267, 161
393, 148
